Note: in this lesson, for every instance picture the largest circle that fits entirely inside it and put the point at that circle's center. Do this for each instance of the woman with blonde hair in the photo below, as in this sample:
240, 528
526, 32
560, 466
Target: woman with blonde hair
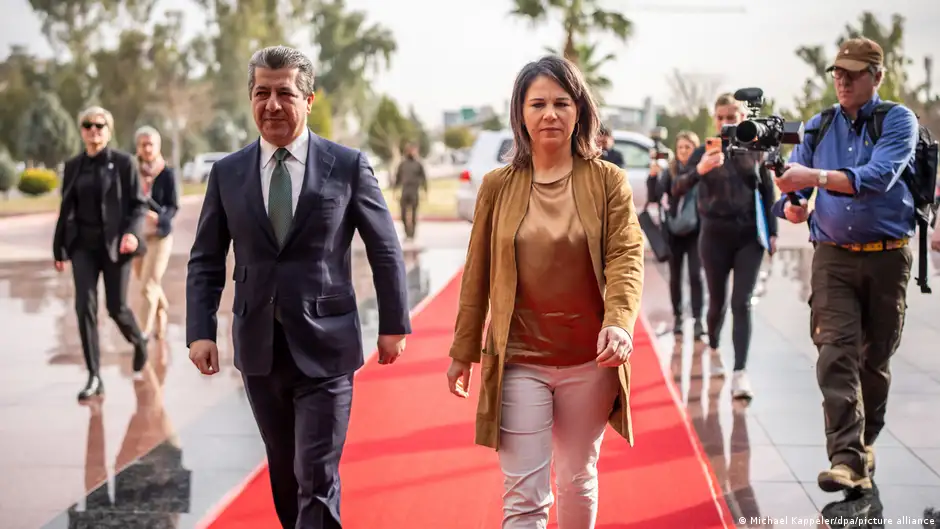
99, 231
556, 259
682, 228
734, 198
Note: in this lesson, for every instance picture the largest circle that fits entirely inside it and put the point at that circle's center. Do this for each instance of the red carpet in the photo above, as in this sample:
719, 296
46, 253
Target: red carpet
410, 461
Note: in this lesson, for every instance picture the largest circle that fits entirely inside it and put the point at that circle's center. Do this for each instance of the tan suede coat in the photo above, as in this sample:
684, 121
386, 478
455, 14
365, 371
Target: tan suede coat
604, 201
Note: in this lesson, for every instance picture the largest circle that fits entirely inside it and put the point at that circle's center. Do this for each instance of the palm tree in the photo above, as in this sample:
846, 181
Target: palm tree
579, 18
349, 50
590, 63
819, 90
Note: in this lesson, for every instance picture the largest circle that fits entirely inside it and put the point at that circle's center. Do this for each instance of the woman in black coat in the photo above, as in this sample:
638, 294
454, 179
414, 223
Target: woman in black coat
682, 223
98, 230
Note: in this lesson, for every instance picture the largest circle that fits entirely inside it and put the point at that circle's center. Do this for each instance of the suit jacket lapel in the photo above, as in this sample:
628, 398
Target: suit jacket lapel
252, 190
317, 171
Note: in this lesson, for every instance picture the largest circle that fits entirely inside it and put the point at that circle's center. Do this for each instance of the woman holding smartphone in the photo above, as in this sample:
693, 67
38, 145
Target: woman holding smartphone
682, 223
734, 200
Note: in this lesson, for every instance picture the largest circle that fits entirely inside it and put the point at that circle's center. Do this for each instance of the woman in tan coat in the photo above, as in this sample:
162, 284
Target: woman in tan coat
556, 258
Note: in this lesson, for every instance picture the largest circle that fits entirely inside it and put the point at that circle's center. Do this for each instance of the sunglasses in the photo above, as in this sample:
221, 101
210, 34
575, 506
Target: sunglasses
88, 125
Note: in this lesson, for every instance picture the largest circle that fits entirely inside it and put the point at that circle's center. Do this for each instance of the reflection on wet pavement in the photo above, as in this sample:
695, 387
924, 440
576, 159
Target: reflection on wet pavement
766, 456
154, 453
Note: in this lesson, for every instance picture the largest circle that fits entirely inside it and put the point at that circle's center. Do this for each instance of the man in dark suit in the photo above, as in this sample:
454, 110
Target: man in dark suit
290, 202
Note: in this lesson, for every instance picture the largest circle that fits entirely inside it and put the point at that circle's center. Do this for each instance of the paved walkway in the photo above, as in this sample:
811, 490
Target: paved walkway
767, 455
197, 437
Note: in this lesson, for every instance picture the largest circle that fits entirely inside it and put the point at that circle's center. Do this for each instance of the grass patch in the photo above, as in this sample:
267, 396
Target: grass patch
25, 205
440, 201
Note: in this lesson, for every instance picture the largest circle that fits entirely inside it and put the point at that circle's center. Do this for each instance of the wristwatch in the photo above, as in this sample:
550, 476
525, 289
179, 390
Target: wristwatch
822, 178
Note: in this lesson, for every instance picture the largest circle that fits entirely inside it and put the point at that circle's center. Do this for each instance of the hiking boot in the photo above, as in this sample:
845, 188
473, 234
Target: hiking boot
842, 478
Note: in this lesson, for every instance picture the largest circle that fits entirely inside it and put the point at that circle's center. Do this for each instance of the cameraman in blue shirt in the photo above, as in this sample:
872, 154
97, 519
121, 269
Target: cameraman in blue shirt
861, 224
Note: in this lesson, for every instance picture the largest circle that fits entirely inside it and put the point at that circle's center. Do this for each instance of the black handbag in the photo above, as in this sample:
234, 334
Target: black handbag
656, 233
685, 220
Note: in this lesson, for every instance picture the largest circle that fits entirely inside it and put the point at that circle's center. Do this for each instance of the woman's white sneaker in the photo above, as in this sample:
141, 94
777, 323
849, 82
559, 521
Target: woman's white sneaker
741, 385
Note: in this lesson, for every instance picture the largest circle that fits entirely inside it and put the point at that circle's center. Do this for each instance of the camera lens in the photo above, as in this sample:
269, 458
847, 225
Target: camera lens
749, 131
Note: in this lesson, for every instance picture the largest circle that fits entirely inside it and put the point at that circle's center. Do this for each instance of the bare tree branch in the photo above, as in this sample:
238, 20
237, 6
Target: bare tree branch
690, 92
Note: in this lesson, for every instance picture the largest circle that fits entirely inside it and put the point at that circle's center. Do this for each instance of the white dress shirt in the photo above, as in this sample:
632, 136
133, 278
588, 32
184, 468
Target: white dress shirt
295, 162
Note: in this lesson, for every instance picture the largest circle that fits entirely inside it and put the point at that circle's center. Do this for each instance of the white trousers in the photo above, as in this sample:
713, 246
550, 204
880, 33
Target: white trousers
551, 413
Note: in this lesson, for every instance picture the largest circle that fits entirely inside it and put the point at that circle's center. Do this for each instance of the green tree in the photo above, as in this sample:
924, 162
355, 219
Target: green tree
388, 131
492, 123
349, 51
692, 97
48, 135
819, 90
128, 92
181, 101
580, 18
8, 174
320, 119
72, 27
243, 26
20, 78
458, 137
590, 62
419, 134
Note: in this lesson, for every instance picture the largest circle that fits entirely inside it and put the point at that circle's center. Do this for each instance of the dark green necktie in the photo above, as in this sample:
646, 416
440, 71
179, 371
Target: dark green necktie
280, 204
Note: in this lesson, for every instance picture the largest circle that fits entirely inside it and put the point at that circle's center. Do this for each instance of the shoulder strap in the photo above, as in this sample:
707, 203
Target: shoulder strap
878, 118
825, 120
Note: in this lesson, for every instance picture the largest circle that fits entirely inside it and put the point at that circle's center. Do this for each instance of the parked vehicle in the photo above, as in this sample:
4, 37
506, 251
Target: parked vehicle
490, 147
201, 165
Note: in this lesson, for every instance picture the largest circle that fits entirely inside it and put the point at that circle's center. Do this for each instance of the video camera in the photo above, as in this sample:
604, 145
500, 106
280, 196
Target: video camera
659, 150
761, 134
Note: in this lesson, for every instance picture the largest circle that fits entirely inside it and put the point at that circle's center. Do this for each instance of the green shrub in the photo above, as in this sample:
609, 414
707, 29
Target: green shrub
8, 176
37, 182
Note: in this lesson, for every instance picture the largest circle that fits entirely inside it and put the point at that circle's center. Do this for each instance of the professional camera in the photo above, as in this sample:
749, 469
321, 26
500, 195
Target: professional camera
761, 134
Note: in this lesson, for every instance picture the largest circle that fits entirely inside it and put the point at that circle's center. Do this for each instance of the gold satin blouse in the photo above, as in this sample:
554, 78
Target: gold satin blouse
558, 309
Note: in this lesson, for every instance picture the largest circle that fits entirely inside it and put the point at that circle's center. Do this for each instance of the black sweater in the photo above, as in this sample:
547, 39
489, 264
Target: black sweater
727, 192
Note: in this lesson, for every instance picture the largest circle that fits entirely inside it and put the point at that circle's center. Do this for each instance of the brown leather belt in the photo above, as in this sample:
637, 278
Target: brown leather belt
878, 246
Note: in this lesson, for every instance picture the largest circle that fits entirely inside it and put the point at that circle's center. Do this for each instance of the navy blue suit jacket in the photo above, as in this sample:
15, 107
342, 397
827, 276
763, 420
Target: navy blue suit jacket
309, 280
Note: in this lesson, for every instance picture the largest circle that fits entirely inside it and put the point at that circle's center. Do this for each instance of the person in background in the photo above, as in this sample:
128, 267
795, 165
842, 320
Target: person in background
410, 179
860, 226
158, 183
608, 152
556, 259
683, 227
730, 236
99, 230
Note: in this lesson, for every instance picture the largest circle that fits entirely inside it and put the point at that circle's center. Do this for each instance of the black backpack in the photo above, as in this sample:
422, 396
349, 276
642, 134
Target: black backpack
922, 180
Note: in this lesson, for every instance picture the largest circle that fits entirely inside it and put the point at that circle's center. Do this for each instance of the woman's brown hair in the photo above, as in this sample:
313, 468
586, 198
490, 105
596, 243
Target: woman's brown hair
688, 136
567, 75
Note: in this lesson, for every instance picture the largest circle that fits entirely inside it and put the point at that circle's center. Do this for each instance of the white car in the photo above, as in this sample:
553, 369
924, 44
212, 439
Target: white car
490, 146
201, 165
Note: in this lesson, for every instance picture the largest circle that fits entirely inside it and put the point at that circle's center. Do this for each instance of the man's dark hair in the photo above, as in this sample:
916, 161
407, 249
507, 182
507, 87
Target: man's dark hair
567, 75
283, 57
604, 131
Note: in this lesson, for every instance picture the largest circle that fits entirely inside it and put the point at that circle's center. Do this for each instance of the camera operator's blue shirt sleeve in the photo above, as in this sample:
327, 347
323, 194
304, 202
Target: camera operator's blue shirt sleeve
890, 156
803, 155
